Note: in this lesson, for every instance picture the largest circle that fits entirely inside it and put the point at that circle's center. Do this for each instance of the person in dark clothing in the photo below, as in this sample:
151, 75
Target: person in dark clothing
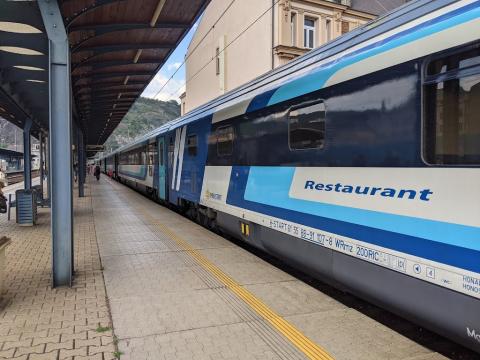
75, 171
3, 201
97, 172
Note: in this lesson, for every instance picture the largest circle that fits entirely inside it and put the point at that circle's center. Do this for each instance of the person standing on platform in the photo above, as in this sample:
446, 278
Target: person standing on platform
97, 172
3, 200
75, 171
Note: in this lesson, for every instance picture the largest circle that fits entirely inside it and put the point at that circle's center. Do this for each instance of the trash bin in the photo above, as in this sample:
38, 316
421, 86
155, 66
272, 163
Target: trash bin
26, 201
4, 242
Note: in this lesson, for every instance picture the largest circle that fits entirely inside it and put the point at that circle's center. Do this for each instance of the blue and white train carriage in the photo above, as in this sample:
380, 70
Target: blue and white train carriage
358, 163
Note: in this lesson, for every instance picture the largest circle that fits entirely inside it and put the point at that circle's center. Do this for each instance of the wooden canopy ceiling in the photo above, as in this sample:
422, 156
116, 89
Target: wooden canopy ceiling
117, 47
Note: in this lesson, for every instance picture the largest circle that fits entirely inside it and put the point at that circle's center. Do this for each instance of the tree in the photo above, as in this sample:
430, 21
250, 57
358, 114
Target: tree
145, 115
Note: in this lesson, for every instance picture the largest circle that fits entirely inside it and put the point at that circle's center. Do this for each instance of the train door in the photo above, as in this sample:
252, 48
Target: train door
162, 168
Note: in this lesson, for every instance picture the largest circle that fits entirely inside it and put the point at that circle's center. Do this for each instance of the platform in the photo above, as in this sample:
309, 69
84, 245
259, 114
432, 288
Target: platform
150, 284
38, 322
169, 298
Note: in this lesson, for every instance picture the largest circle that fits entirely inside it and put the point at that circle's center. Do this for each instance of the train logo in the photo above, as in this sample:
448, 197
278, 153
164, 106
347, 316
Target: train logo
473, 334
213, 196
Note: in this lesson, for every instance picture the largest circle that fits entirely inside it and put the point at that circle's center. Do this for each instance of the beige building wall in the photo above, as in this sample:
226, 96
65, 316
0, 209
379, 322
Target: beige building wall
214, 66
248, 57
183, 103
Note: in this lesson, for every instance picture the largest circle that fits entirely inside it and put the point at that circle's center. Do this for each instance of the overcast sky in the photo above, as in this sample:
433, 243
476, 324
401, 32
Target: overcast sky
176, 86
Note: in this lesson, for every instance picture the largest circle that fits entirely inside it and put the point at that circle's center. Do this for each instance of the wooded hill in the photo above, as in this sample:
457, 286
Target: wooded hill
147, 114
9, 135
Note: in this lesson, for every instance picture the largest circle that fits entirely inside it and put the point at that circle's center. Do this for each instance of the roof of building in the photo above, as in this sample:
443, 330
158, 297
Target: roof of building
6, 153
376, 7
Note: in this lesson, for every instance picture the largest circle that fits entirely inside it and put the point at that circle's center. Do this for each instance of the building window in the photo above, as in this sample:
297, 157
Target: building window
217, 61
307, 126
309, 33
328, 29
224, 141
345, 27
192, 145
452, 105
293, 28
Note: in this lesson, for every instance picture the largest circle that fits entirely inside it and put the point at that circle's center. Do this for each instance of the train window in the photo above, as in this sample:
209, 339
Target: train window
452, 105
192, 145
225, 141
307, 126
459, 61
160, 154
170, 151
131, 159
152, 153
145, 160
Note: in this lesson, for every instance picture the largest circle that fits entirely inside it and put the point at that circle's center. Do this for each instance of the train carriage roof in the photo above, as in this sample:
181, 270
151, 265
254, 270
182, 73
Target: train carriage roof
238, 101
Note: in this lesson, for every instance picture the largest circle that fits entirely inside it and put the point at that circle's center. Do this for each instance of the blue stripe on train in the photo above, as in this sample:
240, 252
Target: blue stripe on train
265, 181
260, 101
141, 175
318, 77
441, 252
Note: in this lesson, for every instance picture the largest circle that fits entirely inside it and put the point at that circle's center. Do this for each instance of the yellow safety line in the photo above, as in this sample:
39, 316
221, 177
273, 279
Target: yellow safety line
303, 343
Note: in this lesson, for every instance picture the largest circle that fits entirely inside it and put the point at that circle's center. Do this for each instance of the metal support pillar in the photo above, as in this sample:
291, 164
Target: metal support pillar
47, 167
27, 158
80, 164
60, 143
41, 139
84, 159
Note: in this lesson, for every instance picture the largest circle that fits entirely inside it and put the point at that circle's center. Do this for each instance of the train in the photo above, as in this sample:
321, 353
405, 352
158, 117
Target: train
357, 163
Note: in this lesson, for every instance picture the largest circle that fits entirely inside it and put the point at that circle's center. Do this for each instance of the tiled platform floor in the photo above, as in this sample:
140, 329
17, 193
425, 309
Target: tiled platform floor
37, 322
165, 306
163, 302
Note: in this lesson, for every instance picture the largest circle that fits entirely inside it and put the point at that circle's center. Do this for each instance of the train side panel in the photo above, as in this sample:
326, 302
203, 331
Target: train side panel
136, 167
187, 156
362, 210
362, 171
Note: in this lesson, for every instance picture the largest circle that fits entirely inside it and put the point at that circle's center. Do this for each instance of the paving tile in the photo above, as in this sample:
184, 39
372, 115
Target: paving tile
7, 354
47, 356
366, 340
153, 282
230, 255
293, 298
167, 312
245, 273
65, 354
222, 342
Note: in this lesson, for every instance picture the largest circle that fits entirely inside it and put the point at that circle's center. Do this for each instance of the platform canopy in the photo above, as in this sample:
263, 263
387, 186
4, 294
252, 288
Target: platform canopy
116, 48
7, 154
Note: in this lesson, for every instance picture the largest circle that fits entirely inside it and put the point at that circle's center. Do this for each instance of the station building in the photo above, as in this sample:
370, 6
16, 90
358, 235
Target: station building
236, 53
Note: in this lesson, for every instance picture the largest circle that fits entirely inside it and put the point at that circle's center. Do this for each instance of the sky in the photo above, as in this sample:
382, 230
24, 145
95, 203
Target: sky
176, 86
